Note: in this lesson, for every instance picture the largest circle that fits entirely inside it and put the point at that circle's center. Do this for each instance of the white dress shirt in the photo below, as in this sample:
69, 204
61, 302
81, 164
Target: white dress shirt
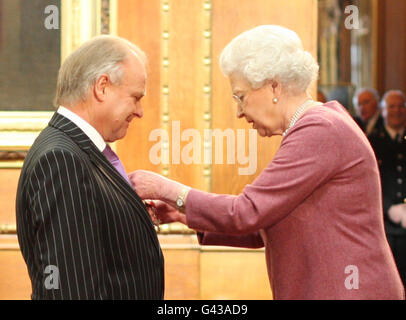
89, 130
371, 123
393, 132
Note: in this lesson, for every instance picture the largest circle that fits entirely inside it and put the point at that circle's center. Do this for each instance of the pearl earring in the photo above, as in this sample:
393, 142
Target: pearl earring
275, 100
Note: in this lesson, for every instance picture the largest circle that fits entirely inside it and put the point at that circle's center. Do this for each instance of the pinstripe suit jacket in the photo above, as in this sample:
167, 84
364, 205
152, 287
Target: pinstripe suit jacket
75, 212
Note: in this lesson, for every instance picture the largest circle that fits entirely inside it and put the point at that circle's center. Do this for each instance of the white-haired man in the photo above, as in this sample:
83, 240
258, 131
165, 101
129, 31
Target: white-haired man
83, 231
366, 103
390, 148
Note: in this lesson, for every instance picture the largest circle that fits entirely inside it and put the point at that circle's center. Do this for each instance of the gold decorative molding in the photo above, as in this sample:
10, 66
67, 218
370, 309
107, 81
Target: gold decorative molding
81, 20
174, 228
18, 130
207, 65
165, 229
165, 115
8, 229
11, 164
12, 159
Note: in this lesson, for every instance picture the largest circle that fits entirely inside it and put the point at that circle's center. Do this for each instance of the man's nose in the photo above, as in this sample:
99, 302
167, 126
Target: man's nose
139, 112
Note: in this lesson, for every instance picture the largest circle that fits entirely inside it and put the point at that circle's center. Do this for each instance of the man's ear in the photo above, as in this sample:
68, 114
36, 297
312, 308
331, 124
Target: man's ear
100, 87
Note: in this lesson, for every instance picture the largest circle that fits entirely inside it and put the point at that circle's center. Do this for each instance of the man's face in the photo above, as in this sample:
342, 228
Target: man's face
395, 113
367, 105
123, 103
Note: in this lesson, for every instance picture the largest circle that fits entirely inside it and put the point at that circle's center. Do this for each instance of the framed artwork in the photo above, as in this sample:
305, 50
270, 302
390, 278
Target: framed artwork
35, 37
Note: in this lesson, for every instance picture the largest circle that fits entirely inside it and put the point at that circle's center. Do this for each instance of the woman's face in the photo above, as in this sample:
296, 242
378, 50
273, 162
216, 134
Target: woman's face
256, 106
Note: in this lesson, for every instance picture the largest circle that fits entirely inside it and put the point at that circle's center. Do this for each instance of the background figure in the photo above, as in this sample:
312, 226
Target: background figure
366, 104
76, 210
389, 145
321, 96
308, 207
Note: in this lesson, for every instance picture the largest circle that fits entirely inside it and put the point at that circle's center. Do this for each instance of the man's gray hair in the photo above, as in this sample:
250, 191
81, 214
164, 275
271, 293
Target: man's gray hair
391, 92
270, 52
81, 69
358, 92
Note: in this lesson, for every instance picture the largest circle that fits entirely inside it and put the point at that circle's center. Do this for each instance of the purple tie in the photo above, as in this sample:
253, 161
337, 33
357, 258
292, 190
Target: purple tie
115, 161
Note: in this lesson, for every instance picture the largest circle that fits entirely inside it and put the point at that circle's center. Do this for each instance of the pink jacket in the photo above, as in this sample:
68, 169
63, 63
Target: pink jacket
316, 208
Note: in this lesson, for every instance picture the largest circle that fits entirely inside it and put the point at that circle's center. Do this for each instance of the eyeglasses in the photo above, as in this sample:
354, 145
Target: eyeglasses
240, 103
238, 99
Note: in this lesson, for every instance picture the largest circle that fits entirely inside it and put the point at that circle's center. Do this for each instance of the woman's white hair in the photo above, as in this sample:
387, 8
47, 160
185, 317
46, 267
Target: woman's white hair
270, 52
81, 69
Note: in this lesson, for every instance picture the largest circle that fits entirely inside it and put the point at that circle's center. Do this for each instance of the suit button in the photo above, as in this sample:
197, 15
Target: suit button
400, 156
399, 168
399, 194
400, 181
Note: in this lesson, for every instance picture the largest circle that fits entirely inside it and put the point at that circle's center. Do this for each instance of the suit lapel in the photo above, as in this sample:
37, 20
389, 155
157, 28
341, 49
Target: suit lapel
99, 160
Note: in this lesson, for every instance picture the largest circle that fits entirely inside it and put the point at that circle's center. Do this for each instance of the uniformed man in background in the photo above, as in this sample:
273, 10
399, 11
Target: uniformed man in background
389, 143
366, 104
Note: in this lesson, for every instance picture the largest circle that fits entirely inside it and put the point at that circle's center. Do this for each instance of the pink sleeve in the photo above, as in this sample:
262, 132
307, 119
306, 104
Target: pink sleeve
307, 158
252, 240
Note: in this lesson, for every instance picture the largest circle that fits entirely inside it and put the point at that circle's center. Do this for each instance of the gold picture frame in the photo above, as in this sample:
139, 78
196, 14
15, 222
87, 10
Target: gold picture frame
80, 21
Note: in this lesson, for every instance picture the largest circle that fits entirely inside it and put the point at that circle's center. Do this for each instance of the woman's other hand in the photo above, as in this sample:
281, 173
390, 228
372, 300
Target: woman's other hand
168, 214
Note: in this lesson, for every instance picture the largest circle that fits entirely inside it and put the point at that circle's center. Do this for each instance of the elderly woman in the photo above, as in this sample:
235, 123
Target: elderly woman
317, 206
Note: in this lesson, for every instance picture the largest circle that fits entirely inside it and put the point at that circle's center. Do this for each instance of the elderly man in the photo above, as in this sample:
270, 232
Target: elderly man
390, 148
83, 231
366, 103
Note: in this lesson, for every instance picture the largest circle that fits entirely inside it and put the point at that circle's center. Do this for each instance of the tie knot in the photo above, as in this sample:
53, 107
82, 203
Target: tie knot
398, 138
115, 161
110, 154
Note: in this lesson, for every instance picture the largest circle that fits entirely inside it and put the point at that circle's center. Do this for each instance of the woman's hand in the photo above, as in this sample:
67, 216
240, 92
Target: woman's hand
147, 184
150, 185
168, 214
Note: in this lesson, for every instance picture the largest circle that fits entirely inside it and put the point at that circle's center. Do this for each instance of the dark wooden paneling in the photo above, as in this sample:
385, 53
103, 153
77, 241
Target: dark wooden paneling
391, 45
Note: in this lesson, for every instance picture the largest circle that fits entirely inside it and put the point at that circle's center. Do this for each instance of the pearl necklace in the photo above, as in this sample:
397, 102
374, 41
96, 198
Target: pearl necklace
297, 114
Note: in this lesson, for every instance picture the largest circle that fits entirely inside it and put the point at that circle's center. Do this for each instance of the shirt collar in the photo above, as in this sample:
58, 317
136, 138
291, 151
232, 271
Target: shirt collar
371, 122
88, 129
393, 132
